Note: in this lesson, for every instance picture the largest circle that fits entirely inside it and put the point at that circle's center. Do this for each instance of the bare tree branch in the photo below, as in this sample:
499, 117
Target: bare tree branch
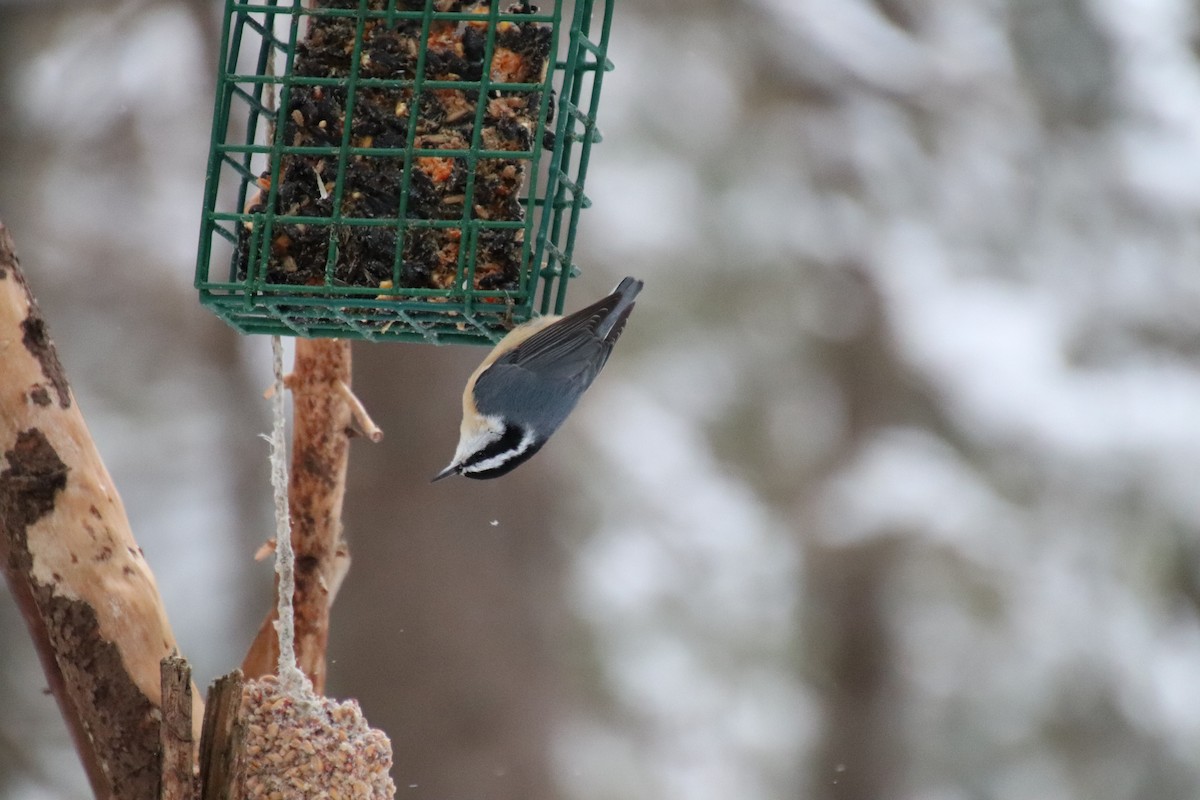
86, 593
323, 420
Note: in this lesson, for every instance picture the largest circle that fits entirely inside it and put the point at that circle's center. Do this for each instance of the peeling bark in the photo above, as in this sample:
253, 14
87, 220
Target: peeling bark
87, 595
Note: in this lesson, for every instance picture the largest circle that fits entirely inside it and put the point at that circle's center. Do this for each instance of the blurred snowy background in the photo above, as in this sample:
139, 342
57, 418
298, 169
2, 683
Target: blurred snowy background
891, 490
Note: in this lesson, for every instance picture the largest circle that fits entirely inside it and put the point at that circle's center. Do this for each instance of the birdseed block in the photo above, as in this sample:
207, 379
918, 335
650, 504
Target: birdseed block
399, 170
309, 747
443, 191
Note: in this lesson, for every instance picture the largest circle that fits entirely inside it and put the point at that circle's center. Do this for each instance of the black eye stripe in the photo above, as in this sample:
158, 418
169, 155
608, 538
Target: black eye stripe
509, 440
507, 466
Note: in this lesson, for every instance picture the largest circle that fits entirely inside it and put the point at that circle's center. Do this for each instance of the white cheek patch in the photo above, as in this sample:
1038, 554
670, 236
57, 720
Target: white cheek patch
473, 439
503, 458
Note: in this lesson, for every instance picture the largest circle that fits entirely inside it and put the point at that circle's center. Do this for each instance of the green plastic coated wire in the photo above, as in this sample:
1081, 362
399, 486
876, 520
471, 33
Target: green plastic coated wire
246, 217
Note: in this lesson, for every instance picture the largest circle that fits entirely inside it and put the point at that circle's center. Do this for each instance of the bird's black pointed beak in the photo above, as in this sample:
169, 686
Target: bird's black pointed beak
446, 473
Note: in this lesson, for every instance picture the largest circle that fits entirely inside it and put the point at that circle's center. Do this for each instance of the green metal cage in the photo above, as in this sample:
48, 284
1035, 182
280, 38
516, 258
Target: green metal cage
399, 169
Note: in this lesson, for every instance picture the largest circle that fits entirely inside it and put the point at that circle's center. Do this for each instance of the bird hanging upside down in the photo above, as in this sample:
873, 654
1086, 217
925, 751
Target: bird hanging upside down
531, 381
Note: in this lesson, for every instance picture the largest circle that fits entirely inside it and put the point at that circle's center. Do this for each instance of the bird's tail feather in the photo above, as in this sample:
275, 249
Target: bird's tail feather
626, 292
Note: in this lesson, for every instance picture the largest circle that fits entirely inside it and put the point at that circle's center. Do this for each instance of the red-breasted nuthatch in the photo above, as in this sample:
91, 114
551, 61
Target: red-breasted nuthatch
531, 381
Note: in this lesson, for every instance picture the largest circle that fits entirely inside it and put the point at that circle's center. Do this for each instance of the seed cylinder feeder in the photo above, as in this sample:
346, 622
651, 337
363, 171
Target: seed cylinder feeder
399, 169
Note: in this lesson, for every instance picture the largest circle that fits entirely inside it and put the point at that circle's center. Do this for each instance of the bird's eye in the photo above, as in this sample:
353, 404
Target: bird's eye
509, 439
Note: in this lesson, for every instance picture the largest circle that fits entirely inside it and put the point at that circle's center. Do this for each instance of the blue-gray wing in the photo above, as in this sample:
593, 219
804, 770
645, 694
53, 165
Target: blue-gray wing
579, 343
539, 381
530, 399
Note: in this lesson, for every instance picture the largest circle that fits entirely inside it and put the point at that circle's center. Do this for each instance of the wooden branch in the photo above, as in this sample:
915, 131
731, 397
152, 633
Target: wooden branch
323, 420
86, 594
176, 734
358, 413
263, 656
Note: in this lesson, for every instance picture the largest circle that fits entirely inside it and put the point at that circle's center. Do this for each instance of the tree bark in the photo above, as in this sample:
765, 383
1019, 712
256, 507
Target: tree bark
85, 591
177, 738
221, 741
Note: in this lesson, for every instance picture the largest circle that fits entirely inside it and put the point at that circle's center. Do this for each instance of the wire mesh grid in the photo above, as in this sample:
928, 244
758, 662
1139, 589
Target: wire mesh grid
383, 183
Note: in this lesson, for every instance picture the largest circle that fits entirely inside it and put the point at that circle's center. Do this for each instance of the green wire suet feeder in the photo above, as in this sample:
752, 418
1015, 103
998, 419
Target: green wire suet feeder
399, 169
